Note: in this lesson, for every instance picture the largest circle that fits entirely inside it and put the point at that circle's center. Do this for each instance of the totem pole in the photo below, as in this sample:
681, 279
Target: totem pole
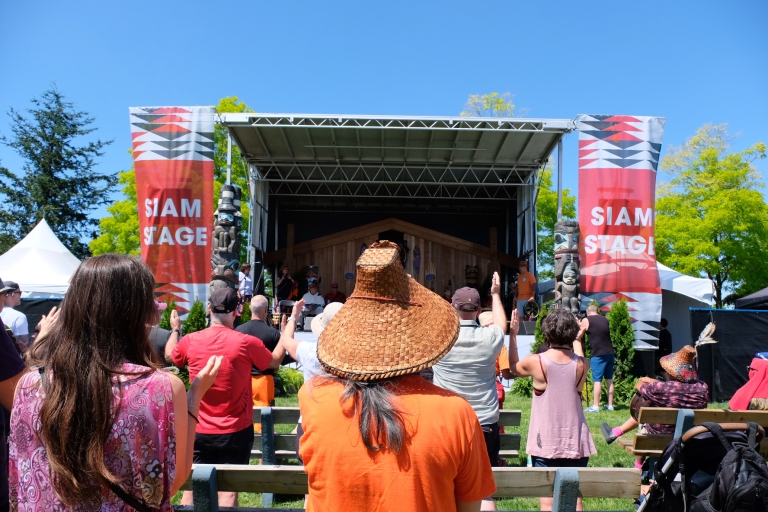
567, 291
228, 222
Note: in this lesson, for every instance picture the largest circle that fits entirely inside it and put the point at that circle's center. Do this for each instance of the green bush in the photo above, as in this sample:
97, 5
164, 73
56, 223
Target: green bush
165, 317
196, 319
246, 317
290, 381
623, 340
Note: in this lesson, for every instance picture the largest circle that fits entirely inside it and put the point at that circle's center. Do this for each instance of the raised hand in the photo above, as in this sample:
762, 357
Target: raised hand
48, 321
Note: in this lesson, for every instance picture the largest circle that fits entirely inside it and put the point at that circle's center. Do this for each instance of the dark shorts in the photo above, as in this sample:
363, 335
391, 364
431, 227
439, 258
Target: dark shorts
602, 367
299, 433
541, 462
492, 442
224, 448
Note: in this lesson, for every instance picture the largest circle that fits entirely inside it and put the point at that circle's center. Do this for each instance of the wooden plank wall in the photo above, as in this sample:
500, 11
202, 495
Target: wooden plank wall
450, 264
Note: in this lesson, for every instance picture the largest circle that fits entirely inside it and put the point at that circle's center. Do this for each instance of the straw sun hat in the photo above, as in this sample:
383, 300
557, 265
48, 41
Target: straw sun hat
390, 325
680, 365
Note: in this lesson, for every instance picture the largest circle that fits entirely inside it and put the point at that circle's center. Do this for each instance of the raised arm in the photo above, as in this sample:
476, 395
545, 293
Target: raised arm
497, 307
173, 339
289, 329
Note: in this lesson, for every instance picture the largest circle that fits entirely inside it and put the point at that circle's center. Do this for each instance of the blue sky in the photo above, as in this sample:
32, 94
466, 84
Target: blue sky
691, 62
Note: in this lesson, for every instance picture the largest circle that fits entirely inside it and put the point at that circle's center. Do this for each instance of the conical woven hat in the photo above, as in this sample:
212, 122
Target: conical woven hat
390, 325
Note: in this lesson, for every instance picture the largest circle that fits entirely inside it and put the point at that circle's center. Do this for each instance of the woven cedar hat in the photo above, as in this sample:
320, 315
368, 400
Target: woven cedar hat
390, 325
680, 365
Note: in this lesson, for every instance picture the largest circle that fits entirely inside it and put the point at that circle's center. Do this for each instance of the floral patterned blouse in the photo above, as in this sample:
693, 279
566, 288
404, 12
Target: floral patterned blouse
141, 450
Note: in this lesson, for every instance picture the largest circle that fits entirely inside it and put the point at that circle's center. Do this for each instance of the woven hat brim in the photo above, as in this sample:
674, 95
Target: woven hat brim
373, 340
671, 362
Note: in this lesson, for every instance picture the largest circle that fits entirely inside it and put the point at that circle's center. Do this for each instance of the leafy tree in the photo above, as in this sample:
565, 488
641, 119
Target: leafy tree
623, 341
711, 218
165, 317
546, 217
489, 105
59, 181
196, 318
120, 230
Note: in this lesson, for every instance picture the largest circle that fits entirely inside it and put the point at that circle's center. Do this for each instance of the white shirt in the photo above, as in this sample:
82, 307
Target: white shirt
246, 284
306, 356
469, 369
16, 320
313, 300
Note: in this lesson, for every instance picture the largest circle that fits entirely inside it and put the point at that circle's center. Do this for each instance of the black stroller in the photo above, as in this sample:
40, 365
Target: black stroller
712, 467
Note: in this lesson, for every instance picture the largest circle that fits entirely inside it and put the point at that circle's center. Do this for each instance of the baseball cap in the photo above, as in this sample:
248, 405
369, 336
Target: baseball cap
223, 300
5, 288
465, 297
14, 286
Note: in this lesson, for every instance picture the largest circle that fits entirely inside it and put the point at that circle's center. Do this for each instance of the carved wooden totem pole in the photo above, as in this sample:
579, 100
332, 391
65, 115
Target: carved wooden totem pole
567, 269
228, 222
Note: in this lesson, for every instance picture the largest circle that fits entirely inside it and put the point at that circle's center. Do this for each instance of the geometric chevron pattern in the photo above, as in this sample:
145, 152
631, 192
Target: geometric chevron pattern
170, 133
610, 146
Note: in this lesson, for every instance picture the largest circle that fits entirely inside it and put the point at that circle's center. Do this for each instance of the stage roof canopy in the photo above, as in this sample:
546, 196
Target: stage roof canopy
395, 156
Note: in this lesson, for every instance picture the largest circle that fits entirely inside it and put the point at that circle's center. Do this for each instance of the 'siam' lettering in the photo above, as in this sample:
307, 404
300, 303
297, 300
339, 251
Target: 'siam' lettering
169, 209
600, 216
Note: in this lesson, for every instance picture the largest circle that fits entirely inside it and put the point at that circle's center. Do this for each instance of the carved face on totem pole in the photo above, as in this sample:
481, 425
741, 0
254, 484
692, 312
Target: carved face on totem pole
566, 247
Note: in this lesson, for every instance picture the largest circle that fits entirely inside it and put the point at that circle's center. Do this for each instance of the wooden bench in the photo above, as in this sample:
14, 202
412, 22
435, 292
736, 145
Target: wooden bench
563, 484
271, 447
653, 445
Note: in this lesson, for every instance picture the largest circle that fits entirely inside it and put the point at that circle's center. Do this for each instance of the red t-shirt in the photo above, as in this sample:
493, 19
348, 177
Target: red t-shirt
443, 458
227, 407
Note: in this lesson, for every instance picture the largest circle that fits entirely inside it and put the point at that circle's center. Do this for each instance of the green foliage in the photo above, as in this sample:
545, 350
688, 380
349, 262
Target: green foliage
546, 216
269, 283
523, 386
165, 317
59, 182
246, 316
711, 219
119, 231
196, 319
290, 380
489, 105
623, 341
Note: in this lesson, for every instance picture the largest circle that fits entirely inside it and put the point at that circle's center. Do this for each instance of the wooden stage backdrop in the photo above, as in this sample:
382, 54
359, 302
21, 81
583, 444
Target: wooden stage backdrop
441, 254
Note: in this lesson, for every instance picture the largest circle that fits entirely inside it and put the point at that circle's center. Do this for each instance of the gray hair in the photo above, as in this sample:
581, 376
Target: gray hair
219, 318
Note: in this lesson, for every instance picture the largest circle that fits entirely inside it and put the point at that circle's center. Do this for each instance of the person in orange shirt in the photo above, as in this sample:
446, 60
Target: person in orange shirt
526, 288
377, 436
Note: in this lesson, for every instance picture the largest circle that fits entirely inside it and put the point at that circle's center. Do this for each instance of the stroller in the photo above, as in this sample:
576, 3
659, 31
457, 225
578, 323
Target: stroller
692, 475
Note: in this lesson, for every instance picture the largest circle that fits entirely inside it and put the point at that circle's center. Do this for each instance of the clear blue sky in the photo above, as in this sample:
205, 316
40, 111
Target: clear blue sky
691, 62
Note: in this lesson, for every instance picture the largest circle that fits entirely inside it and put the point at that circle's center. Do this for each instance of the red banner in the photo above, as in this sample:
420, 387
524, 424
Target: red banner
618, 159
173, 158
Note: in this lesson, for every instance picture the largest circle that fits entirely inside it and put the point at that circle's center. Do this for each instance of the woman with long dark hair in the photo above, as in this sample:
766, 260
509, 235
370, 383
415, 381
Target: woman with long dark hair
96, 424
377, 436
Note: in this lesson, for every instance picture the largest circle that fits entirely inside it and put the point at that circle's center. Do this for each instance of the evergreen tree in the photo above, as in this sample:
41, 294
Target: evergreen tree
196, 319
165, 317
59, 182
623, 341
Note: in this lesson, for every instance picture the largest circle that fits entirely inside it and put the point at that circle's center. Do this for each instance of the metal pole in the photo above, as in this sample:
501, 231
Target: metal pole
229, 158
560, 180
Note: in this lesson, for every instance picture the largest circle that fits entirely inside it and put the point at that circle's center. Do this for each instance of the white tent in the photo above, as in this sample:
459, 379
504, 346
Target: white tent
40, 264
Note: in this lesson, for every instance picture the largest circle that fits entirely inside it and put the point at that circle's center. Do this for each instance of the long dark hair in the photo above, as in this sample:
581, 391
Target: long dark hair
381, 422
104, 321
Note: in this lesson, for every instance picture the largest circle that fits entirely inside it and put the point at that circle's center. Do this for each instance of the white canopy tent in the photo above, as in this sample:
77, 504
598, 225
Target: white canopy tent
679, 293
40, 264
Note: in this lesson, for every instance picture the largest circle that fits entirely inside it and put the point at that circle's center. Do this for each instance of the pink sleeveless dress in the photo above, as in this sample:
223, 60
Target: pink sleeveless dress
141, 451
558, 429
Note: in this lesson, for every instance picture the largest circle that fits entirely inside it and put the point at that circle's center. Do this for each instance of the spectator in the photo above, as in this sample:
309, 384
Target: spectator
469, 369
526, 288
11, 370
558, 435
98, 426
335, 295
262, 381
16, 320
225, 433
602, 356
413, 446
245, 288
447, 293
665, 346
313, 303
756, 388
284, 284
502, 363
681, 389
158, 336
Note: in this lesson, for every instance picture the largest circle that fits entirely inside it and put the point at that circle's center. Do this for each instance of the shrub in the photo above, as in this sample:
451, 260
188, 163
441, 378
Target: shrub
246, 316
289, 380
196, 319
165, 317
623, 340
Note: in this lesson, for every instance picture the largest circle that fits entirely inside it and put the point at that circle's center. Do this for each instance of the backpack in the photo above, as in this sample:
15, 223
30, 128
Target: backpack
741, 481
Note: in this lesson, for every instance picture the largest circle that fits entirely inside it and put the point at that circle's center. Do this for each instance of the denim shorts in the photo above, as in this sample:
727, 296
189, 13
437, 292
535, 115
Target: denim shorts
602, 367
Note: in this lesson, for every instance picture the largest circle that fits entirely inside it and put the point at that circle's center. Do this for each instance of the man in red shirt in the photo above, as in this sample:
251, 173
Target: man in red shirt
225, 428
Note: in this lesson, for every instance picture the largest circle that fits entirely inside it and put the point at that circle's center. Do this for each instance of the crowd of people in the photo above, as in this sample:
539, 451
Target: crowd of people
401, 385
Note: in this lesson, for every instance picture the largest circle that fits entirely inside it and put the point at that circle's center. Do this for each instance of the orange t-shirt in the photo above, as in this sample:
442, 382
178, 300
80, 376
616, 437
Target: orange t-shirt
502, 362
525, 282
443, 458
